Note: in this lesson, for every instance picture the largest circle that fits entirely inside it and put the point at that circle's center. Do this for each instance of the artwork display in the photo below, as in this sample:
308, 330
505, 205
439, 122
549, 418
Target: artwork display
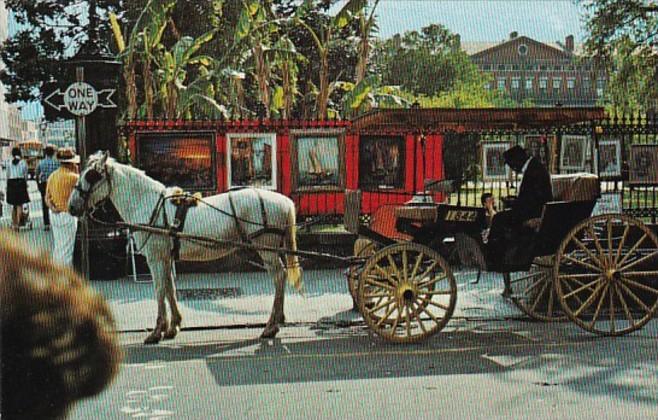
644, 164
493, 162
609, 202
536, 147
251, 160
318, 160
381, 162
181, 159
609, 158
573, 153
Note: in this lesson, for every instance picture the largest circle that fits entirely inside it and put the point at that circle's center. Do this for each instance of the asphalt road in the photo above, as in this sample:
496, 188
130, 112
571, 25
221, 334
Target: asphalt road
473, 369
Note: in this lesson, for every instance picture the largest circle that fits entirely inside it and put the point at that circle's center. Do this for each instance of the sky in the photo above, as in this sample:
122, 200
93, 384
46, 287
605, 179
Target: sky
484, 20
474, 20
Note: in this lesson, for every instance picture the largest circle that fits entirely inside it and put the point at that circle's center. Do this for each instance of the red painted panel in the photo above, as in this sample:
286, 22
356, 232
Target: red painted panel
220, 147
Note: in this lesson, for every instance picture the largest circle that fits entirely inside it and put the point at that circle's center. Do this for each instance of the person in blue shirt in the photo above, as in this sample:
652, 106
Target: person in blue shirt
46, 167
16, 186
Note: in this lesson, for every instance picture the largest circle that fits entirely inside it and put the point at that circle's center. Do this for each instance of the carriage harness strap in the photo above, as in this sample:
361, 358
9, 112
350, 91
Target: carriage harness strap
184, 201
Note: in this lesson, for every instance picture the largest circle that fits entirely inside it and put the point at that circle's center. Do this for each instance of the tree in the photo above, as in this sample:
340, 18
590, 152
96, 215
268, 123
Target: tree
623, 39
50, 32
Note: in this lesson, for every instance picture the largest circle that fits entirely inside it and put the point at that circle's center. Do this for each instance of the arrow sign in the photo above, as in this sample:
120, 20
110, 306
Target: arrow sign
81, 99
57, 98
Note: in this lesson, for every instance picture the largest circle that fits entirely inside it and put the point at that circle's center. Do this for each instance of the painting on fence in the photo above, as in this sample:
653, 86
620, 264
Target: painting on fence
318, 160
537, 147
184, 159
381, 162
251, 160
609, 159
493, 163
644, 164
573, 153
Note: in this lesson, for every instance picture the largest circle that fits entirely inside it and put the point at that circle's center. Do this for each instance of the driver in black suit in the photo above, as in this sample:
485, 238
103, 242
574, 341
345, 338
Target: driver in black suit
511, 229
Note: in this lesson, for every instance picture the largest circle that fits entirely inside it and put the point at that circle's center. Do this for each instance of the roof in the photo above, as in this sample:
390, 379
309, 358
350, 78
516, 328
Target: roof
473, 119
475, 48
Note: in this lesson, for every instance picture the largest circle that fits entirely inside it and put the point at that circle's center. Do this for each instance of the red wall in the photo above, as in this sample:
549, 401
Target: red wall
318, 203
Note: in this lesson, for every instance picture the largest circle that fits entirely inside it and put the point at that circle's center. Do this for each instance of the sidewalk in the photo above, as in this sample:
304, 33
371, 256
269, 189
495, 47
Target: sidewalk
209, 300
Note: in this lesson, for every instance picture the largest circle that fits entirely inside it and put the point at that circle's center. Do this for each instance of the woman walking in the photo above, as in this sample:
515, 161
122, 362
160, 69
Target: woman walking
17, 186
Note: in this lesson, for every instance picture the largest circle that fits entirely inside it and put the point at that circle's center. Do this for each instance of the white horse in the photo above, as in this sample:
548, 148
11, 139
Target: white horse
237, 216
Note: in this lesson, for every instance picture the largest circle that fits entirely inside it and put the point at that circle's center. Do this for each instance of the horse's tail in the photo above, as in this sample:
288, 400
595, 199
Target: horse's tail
293, 269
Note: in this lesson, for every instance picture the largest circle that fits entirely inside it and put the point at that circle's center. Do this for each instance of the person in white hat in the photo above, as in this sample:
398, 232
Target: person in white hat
60, 186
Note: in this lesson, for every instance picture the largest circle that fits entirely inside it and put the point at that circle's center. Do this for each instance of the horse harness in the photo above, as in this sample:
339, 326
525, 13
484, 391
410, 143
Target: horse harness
183, 201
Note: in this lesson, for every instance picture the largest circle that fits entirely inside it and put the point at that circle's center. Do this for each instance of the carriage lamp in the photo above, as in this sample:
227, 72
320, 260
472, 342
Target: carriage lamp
598, 129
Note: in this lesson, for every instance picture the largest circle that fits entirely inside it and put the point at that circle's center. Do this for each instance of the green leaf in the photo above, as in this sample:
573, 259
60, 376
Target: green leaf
277, 98
351, 8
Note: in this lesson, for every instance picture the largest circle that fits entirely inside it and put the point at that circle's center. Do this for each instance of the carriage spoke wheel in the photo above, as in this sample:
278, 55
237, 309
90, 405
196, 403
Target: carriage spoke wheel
605, 274
406, 292
354, 270
533, 292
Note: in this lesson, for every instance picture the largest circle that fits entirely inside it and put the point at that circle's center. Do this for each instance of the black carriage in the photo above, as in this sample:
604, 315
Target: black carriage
599, 271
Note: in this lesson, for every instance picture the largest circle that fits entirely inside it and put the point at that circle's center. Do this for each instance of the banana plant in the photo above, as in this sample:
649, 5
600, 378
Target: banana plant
366, 28
172, 75
367, 94
323, 42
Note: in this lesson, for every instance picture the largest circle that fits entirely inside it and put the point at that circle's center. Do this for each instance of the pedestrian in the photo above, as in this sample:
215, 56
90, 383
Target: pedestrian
60, 186
45, 168
17, 194
58, 339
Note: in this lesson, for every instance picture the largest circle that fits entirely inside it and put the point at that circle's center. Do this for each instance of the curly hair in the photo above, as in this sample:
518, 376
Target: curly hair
59, 342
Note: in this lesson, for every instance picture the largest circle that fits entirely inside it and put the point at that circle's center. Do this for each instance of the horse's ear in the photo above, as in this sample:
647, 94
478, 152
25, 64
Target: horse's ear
104, 156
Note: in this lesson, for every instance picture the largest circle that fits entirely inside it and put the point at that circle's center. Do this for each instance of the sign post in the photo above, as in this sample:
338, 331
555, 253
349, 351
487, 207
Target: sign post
81, 99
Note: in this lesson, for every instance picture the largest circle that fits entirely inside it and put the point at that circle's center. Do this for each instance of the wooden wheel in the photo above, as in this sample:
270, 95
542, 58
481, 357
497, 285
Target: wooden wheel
533, 292
406, 292
362, 248
605, 274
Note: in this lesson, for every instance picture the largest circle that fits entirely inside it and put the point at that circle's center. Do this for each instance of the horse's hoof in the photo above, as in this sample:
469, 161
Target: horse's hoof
152, 339
171, 333
270, 331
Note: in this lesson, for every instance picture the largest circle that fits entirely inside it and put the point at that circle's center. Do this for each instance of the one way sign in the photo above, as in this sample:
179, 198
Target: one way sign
80, 99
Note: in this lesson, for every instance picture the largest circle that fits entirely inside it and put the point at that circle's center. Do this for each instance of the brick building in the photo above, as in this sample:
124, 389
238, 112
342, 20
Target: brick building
545, 74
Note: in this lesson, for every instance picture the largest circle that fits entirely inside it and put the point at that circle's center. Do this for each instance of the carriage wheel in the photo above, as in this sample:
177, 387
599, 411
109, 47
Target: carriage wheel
533, 292
353, 271
407, 292
605, 274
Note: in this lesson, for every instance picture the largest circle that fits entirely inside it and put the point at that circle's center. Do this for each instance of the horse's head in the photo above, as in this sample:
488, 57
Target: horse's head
93, 186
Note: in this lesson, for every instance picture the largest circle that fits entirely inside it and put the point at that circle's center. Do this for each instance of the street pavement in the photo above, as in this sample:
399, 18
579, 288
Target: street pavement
489, 362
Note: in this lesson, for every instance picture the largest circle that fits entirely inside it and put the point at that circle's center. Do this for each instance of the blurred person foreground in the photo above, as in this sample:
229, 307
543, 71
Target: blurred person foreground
59, 342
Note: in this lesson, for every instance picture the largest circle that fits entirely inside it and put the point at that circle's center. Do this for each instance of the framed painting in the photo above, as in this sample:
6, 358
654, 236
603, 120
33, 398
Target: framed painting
381, 162
318, 160
608, 161
643, 164
609, 202
537, 147
493, 163
251, 160
179, 158
573, 153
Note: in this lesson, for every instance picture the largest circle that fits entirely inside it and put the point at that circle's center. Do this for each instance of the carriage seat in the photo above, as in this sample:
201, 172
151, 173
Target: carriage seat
568, 188
581, 186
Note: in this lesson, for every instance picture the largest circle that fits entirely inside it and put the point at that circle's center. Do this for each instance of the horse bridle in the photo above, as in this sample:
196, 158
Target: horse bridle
94, 178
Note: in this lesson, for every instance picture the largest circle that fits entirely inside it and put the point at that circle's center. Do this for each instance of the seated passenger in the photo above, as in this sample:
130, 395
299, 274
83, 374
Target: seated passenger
489, 204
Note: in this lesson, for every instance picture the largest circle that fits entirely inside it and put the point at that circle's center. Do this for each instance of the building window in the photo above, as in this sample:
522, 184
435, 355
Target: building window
516, 82
571, 83
528, 84
543, 67
543, 83
600, 85
557, 83
557, 67
501, 67
515, 67
501, 84
530, 67
586, 84
523, 49
486, 67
